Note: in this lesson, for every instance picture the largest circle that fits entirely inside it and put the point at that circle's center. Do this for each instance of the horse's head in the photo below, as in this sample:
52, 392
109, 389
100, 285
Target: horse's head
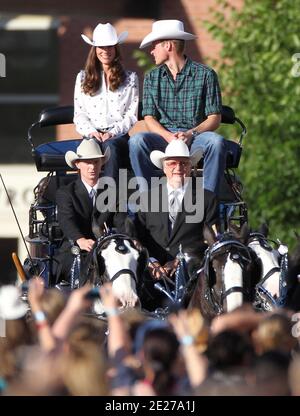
121, 261
228, 269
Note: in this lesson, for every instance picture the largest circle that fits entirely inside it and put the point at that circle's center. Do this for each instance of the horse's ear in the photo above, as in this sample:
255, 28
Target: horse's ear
264, 229
130, 228
209, 235
244, 234
233, 228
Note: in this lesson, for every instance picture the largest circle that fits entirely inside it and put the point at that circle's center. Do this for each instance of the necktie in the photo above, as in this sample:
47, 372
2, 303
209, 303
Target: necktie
174, 206
92, 195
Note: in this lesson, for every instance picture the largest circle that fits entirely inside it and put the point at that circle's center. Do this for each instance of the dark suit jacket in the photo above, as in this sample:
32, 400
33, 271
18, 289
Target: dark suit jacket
77, 217
153, 228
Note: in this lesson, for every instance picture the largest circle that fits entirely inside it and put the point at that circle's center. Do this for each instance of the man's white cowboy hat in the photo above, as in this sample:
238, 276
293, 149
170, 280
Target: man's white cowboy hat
176, 148
105, 35
11, 306
166, 29
88, 149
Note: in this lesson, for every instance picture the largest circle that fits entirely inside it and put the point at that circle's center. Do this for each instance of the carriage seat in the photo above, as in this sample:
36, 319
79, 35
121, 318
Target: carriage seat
50, 156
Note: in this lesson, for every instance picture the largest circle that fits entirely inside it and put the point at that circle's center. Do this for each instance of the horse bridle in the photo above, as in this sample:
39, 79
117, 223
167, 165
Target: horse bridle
263, 241
120, 248
214, 251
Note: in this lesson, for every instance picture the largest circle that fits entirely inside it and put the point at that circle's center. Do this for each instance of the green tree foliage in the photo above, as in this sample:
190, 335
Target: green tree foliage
143, 60
259, 80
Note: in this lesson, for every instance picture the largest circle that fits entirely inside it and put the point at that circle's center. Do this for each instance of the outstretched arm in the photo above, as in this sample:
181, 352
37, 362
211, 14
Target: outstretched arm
196, 364
35, 293
76, 304
117, 338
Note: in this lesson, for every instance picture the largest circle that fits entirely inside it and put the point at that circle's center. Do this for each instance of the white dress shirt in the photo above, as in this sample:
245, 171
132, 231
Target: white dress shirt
116, 110
89, 188
179, 192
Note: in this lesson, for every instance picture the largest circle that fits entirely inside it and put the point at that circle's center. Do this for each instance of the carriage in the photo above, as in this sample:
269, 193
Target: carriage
45, 236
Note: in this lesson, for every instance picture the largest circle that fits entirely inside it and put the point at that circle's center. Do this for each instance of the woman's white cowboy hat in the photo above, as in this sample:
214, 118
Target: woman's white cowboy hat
88, 149
166, 29
176, 148
105, 35
11, 306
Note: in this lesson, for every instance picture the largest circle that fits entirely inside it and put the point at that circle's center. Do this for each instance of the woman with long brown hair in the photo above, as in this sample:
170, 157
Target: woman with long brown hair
106, 97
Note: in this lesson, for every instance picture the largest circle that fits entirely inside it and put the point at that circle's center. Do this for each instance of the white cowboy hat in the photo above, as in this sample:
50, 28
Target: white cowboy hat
105, 35
166, 29
11, 306
176, 148
88, 149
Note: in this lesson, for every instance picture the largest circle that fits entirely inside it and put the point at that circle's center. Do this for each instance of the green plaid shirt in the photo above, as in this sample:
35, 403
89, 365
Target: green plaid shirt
185, 102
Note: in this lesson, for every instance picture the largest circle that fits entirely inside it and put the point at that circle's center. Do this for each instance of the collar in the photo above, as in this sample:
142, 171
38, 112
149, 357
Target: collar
181, 190
185, 70
89, 187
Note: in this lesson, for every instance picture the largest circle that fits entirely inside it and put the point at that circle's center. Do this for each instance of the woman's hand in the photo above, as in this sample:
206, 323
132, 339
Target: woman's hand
106, 136
96, 135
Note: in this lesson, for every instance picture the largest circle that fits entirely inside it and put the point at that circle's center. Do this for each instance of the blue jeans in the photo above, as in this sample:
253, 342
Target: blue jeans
119, 157
213, 145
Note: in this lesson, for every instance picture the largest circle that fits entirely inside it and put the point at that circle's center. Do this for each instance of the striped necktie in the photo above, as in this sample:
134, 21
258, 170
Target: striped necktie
92, 195
174, 206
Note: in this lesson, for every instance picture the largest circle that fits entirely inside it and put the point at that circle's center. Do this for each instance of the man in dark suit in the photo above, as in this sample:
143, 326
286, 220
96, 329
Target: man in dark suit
79, 219
174, 213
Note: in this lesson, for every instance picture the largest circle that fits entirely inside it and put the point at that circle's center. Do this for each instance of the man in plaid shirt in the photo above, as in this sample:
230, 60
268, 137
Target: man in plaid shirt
181, 101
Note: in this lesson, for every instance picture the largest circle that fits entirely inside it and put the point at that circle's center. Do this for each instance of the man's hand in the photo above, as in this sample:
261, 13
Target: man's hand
170, 267
185, 136
85, 244
156, 270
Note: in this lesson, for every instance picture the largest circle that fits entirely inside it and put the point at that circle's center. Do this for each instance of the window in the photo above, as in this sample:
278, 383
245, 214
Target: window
31, 82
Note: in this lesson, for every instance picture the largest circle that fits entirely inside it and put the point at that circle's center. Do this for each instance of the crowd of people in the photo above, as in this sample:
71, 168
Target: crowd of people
57, 349
54, 345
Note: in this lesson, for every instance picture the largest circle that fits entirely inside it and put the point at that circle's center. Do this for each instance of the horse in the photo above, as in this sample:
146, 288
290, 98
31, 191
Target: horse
293, 278
228, 276
121, 260
271, 290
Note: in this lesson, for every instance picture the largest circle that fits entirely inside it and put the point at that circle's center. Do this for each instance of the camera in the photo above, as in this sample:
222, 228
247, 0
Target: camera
94, 293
